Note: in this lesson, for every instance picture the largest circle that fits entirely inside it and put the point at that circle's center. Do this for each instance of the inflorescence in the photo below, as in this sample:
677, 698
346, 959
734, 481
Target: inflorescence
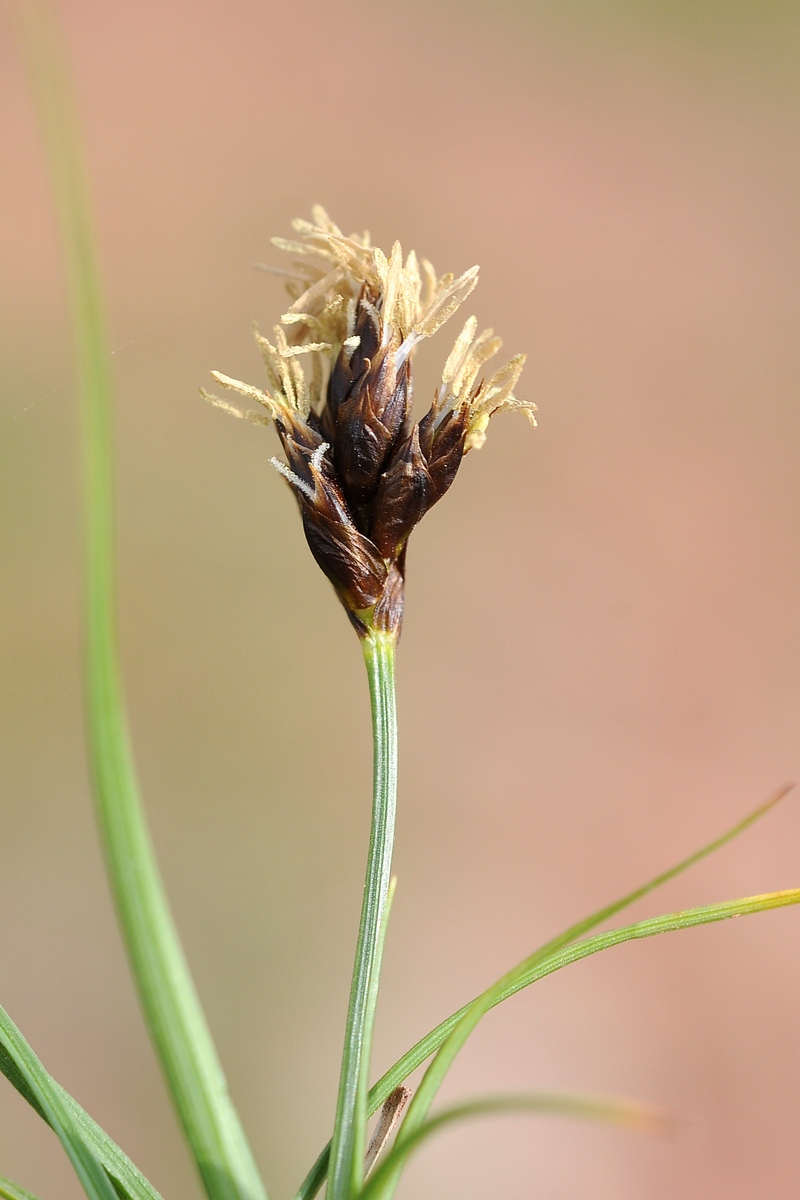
363, 472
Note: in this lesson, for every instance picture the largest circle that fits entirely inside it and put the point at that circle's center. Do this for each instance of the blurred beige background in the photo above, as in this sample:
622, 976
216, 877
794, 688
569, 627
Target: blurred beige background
601, 661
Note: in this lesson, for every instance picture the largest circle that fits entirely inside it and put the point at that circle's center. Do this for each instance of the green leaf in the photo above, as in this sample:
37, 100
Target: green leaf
12, 1191
689, 918
127, 1178
537, 966
125, 1175
427, 1045
17, 1080
171, 1007
49, 1102
622, 1113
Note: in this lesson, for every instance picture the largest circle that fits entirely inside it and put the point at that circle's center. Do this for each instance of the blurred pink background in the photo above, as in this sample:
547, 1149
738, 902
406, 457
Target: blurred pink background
601, 662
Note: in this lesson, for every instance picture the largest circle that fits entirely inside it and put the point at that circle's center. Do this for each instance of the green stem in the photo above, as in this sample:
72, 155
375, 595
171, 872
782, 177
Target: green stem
348, 1145
171, 1007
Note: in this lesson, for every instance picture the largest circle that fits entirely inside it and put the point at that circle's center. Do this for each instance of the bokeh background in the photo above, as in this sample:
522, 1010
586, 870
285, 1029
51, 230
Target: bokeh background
601, 662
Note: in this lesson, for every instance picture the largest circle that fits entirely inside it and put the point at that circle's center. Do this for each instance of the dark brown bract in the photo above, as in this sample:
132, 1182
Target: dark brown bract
363, 472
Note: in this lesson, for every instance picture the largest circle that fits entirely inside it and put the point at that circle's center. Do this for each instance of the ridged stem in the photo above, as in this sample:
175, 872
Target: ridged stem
345, 1175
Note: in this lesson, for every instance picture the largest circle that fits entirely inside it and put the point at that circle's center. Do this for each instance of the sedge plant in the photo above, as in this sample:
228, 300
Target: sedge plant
339, 372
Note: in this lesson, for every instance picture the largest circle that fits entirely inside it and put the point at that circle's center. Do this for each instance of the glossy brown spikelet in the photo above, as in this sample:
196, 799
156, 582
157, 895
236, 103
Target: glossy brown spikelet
363, 472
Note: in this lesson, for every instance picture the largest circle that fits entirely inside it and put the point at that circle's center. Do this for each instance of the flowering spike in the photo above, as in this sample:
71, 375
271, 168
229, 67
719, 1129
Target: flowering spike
339, 392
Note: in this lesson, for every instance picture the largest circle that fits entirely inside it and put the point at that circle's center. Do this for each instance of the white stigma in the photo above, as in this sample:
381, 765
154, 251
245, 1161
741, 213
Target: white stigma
318, 455
316, 462
294, 480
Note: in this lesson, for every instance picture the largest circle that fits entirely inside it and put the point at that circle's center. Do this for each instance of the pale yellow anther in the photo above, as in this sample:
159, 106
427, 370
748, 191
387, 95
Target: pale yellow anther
501, 385
450, 298
302, 395
247, 414
320, 218
381, 267
460, 350
291, 247
247, 389
392, 290
337, 280
271, 360
306, 348
317, 291
298, 318
429, 284
413, 277
287, 385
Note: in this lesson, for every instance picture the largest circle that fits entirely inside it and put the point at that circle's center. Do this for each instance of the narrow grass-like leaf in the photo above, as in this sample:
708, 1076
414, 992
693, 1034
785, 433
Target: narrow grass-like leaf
126, 1177
427, 1045
16, 1079
49, 1102
622, 1113
431, 1042
689, 918
166, 991
12, 1191
537, 967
